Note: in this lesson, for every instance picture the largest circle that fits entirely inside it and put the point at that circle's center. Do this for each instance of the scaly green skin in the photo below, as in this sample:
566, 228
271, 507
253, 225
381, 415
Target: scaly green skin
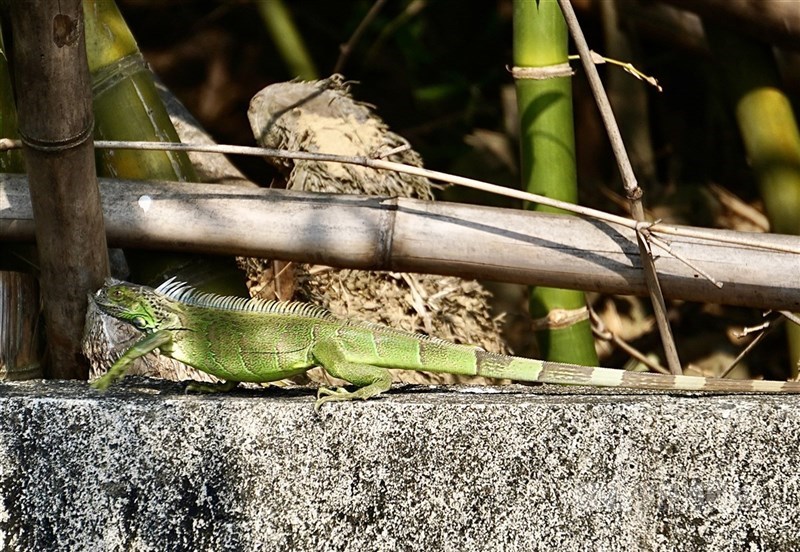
240, 340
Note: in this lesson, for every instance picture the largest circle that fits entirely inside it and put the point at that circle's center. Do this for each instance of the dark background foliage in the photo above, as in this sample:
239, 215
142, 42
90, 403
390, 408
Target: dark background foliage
437, 73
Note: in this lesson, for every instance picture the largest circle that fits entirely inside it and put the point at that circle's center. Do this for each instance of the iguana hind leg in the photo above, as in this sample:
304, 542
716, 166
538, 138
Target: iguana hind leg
370, 380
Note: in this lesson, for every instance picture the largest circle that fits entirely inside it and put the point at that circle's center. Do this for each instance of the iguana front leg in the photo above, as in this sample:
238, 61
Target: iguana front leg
147, 344
370, 380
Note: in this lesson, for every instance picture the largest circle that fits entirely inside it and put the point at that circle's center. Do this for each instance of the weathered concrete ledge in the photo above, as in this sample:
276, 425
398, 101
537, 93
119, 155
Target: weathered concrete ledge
145, 467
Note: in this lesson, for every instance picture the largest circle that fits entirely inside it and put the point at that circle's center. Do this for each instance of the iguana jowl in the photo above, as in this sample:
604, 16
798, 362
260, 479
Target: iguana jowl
249, 340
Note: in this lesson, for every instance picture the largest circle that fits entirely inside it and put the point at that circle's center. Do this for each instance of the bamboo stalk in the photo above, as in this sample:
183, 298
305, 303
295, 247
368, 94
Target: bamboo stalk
20, 342
280, 24
127, 107
55, 122
769, 131
381, 233
547, 142
126, 102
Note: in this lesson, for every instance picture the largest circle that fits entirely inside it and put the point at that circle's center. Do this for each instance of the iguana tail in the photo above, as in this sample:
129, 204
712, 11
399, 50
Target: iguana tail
523, 369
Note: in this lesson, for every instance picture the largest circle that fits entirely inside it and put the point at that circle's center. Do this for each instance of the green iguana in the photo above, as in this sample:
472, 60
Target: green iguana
251, 340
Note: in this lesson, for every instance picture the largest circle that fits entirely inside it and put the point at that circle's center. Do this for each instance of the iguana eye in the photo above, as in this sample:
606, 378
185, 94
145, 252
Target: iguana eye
139, 322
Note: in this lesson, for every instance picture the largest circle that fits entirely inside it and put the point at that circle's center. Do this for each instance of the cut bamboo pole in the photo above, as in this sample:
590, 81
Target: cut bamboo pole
55, 121
381, 233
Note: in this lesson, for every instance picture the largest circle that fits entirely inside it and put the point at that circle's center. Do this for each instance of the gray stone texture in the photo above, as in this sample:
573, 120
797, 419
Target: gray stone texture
146, 467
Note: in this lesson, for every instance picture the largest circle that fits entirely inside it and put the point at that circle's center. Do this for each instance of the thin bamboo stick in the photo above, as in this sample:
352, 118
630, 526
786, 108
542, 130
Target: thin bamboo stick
632, 190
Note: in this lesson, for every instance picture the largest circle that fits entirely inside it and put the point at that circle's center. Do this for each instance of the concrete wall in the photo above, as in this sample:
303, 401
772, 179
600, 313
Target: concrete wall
145, 467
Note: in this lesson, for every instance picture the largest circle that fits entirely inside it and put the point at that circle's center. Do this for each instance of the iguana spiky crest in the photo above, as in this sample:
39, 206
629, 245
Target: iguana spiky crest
188, 295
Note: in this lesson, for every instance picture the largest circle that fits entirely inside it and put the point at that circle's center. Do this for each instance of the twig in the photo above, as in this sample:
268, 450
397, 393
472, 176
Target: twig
602, 332
740, 208
6, 144
791, 317
747, 330
284, 269
632, 189
765, 329
626, 66
666, 247
661, 228
394, 151
347, 48
410, 10
418, 303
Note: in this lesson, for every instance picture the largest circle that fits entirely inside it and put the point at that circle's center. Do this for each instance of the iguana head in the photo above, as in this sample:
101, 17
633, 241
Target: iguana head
142, 307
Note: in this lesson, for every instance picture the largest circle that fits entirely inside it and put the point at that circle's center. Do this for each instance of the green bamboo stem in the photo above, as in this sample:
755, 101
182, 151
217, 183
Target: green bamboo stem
547, 145
127, 107
769, 132
280, 24
126, 103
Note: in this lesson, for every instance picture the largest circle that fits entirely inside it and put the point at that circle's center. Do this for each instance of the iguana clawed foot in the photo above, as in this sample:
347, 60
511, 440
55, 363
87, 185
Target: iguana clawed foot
326, 394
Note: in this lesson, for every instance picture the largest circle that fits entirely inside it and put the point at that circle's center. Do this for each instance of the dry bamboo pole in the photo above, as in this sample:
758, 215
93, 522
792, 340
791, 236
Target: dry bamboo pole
55, 122
380, 233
